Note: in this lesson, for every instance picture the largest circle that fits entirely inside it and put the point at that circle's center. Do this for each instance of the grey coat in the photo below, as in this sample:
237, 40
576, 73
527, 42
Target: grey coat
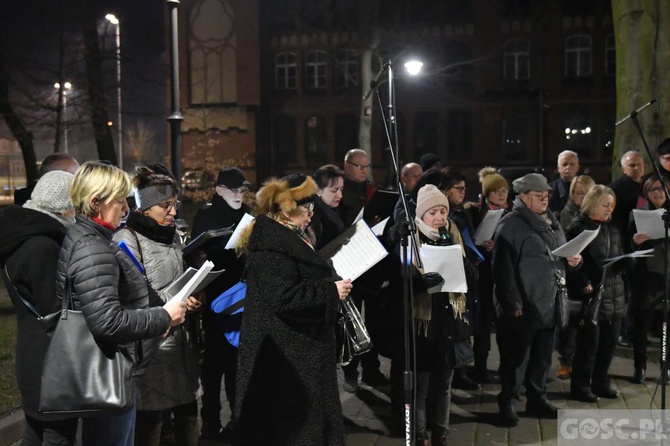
171, 375
523, 270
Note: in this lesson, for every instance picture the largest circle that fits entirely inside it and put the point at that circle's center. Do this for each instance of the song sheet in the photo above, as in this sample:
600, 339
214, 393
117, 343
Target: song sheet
487, 227
576, 245
244, 222
354, 252
182, 280
193, 283
378, 229
448, 262
634, 254
650, 222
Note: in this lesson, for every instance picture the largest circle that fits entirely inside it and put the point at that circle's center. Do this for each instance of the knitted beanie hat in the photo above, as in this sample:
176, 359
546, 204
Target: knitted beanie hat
52, 192
429, 196
491, 180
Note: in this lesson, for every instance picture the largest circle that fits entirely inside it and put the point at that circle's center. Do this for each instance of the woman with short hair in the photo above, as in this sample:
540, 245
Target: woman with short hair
107, 286
326, 221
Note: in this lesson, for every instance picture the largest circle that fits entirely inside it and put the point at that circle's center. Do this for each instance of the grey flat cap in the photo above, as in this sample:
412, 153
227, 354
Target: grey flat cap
535, 182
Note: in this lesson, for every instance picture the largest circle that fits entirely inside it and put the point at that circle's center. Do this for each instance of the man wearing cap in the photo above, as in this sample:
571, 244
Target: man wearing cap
664, 157
224, 211
525, 290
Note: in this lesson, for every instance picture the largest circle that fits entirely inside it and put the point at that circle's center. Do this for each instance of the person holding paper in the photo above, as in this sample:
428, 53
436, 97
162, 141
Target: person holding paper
493, 197
107, 286
170, 382
647, 278
287, 379
595, 343
226, 209
326, 221
525, 292
441, 319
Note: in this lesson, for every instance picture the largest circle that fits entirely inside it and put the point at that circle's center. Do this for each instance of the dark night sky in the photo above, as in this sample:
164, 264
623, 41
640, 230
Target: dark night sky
30, 31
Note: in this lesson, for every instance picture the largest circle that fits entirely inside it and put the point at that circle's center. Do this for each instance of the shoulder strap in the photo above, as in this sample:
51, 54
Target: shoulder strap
15, 293
139, 247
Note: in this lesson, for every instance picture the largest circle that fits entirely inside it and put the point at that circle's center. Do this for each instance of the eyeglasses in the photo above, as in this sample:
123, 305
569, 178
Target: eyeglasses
459, 188
238, 191
309, 206
543, 196
502, 190
166, 206
359, 166
656, 189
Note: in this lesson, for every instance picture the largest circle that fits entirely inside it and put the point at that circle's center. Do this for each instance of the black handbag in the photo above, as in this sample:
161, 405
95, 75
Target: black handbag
81, 376
352, 338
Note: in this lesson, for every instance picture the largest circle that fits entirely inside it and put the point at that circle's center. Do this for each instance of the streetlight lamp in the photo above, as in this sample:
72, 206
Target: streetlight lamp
66, 86
413, 67
111, 18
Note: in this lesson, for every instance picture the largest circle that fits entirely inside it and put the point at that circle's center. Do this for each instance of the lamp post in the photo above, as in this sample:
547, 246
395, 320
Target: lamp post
65, 87
111, 18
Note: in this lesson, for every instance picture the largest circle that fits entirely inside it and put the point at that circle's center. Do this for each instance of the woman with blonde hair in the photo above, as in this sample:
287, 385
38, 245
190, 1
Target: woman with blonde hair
106, 286
579, 186
595, 342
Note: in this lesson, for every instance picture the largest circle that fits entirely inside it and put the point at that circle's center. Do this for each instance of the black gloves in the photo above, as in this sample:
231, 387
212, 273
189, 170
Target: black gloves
431, 279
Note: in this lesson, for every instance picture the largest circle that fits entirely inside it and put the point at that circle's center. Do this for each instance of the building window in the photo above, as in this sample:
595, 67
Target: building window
515, 138
425, 133
346, 135
315, 142
460, 136
285, 71
610, 56
346, 69
284, 141
516, 64
578, 56
578, 132
315, 70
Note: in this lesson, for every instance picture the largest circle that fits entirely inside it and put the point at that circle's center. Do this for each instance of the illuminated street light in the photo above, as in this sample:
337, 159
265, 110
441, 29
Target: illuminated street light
413, 67
66, 86
111, 18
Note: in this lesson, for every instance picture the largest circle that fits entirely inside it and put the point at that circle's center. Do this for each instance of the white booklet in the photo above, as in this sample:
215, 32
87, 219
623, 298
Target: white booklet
244, 222
487, 227
577, 244
192, 284
634, 254
448, 262
354, 252
650, 222
182, 280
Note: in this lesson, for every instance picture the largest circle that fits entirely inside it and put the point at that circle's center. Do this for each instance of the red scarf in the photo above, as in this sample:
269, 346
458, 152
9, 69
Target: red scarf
103, 223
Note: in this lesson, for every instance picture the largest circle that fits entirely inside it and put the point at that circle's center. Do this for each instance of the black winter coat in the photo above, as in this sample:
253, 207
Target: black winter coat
627, 194
326, 223
29, 245
606, 245
286, 381
522, 269
107, 286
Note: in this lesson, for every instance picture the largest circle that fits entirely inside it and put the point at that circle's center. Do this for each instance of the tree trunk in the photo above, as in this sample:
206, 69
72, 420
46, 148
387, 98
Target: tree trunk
96, 92
16, 126
642, 34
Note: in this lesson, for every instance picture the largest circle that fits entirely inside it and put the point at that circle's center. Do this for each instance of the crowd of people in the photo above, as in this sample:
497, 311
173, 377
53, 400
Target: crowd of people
281, 379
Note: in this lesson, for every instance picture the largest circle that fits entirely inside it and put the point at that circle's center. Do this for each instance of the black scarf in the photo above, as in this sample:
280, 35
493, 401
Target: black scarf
149, 228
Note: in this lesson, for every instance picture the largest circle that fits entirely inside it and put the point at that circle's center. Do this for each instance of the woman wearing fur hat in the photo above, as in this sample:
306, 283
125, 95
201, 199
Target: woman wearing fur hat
494, 196
170, 381
443, 328
286, 384
30, 240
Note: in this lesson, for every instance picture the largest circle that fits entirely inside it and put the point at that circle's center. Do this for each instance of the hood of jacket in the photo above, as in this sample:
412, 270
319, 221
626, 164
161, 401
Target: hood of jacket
18, 224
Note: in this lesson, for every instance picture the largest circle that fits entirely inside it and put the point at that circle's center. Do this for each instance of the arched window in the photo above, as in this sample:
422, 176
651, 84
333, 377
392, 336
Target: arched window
516, 64
315, 69
578, 50
285, 71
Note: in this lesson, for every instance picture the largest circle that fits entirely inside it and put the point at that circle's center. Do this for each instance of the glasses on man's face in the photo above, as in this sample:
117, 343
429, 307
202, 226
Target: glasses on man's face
359, 166
459, 188
238, 191
540, 196
166, 206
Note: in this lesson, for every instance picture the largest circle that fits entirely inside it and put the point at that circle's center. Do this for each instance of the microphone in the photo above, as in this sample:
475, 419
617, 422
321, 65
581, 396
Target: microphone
375, 82
445, 237
634, 113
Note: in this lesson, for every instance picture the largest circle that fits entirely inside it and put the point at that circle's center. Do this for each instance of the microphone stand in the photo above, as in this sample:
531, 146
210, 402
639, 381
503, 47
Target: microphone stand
408, 229
666, 224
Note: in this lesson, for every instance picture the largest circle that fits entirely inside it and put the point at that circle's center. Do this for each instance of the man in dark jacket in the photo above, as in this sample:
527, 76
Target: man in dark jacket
525, 295
628, 189
224, 211
568, 166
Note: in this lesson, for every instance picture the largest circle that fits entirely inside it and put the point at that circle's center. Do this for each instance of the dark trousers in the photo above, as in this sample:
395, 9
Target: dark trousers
524, 353
219, 359
566, 339
593, 355
50, 433
484, 316
433, 387
369, 361
641, 325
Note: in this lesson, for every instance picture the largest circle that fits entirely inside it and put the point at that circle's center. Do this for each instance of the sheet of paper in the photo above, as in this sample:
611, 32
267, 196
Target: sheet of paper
182, 280
576, 245
194, 281
359, 217
354, 252
378, 229
634, 254
246, 219
488, 226
650, 222
448, 262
